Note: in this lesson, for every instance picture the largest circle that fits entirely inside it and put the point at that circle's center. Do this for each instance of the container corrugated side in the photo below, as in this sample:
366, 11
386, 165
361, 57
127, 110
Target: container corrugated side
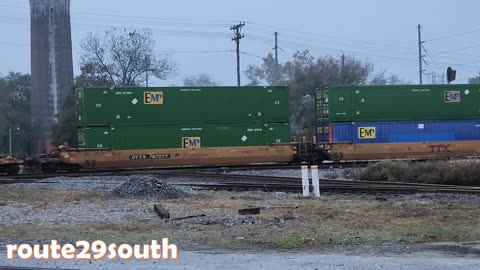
185, 136
404, 103
93, 107
95, 137
405, 131
183, 105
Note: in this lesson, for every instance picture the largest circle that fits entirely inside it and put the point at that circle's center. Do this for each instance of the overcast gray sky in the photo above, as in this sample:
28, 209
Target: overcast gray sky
196, 34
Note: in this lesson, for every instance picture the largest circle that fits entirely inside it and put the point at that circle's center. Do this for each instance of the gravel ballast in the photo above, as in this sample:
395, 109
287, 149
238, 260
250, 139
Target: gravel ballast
147, 186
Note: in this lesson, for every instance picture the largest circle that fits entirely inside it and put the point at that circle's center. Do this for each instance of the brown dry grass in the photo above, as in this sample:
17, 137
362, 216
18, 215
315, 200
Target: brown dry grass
307, 223
40, 196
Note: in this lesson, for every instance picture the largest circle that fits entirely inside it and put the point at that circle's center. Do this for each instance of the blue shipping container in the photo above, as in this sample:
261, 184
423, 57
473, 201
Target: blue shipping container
405, 131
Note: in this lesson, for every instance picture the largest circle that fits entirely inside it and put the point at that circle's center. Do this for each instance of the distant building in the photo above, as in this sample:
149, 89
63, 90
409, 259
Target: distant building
51, 66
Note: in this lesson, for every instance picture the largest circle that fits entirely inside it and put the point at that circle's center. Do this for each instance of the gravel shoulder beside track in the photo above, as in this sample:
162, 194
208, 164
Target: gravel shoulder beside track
71, 209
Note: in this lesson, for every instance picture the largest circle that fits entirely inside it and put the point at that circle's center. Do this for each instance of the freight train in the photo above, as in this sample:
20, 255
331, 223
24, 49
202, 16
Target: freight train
177, 126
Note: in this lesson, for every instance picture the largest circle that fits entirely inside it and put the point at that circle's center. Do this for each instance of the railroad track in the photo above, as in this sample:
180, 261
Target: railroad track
269, 183
211, 179
29, 178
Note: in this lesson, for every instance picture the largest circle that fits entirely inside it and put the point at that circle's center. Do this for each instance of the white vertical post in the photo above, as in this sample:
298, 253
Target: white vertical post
305, 182
315, 181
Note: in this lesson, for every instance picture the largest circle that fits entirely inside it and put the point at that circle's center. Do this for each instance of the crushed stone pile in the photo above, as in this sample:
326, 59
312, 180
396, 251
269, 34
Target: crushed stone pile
147, 186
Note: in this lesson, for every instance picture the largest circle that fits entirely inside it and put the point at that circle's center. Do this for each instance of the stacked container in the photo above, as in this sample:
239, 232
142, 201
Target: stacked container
180, 117
404, 113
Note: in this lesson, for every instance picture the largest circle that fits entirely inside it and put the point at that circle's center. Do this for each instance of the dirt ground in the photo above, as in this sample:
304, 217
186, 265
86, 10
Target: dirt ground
285, 221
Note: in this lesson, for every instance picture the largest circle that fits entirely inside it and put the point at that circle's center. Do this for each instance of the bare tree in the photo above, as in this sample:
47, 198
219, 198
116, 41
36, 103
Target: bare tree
201, 79
123, 58
381, 79
474, 80
304, 73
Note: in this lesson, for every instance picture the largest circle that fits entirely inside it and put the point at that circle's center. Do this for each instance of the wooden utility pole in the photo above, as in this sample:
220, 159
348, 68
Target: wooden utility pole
237, 36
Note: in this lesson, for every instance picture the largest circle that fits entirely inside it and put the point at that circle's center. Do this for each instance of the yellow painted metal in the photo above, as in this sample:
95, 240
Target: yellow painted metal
9, 160
430, 150
181, 157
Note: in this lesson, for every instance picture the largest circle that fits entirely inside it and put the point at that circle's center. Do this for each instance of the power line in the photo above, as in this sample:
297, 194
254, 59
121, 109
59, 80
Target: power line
152, 20
158, 51
193, 51
251, 54
461, 49
178, 32
453, 35
289, 36
324, 36
221, 23
267, 41
130, 16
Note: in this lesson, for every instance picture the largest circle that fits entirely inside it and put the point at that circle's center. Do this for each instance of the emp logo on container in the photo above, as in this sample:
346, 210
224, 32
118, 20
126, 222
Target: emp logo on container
452, 96
191, 142
367, 133
153, 98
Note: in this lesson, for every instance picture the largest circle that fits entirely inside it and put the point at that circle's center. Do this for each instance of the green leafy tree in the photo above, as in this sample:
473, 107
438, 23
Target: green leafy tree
15, 89
5, 123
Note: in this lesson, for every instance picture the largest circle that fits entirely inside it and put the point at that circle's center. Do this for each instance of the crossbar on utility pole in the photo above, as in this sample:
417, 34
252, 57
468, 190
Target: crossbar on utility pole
237, 36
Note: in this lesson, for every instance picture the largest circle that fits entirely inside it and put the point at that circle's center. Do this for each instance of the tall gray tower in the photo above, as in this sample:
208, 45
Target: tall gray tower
51, 64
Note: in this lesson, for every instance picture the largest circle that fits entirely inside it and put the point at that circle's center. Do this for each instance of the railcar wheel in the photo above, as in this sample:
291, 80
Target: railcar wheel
73, 168
13, 169
46, 168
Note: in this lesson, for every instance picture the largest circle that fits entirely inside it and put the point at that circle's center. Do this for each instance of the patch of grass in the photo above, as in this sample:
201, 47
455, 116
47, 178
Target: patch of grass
407, 234
278, 240
25, 195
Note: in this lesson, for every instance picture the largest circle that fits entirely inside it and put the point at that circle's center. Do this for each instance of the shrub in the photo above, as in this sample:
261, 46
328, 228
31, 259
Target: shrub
463, 172
386, 170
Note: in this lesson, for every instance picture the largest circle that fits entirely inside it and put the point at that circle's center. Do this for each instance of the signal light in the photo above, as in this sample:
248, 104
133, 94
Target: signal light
451, 74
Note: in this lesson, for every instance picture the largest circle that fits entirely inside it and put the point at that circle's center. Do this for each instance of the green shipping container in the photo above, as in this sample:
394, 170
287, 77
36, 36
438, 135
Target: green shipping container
188, 136
181, 105
403, 102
